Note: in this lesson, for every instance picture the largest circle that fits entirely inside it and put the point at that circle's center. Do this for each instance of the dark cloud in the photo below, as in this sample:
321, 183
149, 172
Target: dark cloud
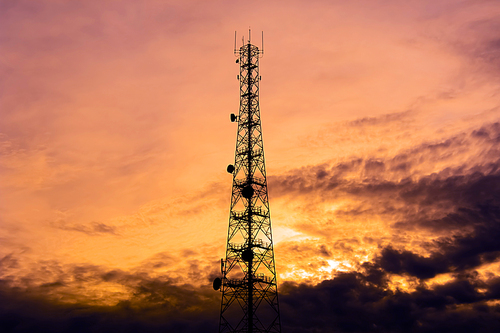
480, 149
155, 304
458, 197
359, 302
196, 311
349, 302
457, 255
406, 262
373, 168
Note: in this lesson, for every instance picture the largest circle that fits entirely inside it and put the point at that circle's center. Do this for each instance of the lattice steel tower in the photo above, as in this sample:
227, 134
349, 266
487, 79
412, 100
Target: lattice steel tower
248, 284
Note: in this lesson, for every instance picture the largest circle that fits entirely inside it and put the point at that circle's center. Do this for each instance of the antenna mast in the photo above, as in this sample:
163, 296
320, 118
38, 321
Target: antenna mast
248, 284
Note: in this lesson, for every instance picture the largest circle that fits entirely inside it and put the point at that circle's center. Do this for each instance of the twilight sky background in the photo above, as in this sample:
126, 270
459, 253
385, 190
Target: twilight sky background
381, 125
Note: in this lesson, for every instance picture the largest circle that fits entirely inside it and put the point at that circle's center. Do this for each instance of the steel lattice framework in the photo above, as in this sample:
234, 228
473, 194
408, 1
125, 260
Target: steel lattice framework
248, 284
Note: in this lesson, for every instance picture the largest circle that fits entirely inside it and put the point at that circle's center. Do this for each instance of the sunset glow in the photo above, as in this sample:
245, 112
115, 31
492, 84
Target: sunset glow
381, 127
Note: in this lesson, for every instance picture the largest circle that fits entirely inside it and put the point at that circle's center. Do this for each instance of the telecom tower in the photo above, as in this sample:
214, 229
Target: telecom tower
248, 284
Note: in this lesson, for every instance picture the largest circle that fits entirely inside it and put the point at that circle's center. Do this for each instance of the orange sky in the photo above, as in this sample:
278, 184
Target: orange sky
379, 120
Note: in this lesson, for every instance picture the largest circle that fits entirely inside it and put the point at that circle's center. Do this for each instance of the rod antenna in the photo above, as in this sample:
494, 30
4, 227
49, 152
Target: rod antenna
235, 41
262, 41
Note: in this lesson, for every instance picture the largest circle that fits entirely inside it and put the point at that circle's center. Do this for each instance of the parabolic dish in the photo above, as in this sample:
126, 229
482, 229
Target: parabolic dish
217, 283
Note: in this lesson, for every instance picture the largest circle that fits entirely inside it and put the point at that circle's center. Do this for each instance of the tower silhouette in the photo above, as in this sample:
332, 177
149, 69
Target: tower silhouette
248, 284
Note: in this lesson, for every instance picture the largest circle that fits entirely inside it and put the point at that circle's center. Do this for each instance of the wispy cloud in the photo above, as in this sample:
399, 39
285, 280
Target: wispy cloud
91, 229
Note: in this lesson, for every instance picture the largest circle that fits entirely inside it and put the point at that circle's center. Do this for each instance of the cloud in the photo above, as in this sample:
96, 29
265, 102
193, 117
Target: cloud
421, 212
396, 117
353, 302
89, 298
158, 305
9, 262
452, 254
91, 229
480, 44
465, 164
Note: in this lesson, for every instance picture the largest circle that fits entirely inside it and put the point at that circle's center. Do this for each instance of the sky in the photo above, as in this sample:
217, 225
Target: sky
381, 127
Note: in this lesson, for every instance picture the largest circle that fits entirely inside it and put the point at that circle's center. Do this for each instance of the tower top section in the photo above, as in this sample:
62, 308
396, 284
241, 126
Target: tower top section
238, 51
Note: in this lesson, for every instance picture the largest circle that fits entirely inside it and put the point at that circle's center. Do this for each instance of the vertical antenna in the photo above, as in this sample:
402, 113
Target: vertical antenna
262, 40
235, 41
249, 35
